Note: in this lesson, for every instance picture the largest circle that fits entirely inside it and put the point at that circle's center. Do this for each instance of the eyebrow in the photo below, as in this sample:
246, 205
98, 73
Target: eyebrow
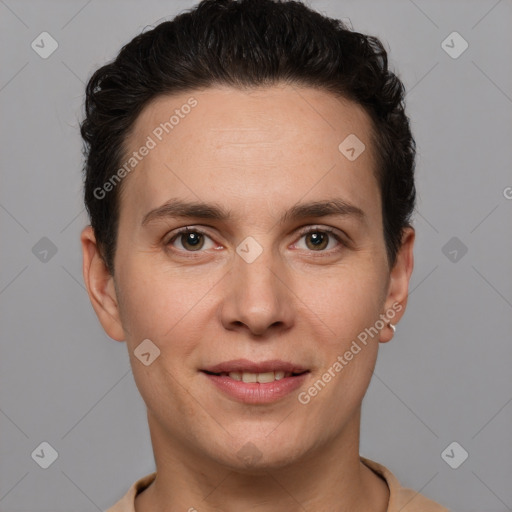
177, 208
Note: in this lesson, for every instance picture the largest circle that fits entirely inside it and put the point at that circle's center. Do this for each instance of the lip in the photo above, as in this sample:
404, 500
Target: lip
240, 365
255, 392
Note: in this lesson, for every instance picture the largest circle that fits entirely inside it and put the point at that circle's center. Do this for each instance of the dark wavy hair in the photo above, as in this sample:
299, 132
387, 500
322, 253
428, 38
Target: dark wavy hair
246, 43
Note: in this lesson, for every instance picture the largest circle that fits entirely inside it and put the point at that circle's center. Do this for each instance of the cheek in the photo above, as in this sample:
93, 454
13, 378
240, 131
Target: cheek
161, 387
346, 301
348, 352
165, 308
158, 303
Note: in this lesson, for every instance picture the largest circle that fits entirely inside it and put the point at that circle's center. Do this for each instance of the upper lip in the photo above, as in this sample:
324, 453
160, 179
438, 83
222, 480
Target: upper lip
241, 365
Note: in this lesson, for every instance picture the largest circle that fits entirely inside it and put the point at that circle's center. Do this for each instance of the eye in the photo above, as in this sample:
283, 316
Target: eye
191, 240
318, 240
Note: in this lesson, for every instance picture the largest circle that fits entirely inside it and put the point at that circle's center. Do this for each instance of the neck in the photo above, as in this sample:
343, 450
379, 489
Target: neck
330, 477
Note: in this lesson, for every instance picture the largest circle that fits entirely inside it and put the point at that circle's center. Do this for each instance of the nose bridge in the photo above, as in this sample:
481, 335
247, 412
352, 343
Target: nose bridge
256, 268
258, 297
259, 272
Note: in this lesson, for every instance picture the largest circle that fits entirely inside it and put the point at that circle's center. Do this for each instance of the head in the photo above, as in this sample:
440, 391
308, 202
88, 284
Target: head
279, 138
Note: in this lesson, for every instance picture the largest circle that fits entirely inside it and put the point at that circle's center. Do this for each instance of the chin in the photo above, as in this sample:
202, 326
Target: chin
253, 455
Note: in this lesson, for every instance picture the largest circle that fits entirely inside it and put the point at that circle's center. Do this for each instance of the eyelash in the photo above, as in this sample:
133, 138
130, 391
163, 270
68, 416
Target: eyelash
325, 230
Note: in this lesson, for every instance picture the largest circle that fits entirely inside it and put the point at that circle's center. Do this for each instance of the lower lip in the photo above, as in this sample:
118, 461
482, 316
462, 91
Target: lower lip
255, 392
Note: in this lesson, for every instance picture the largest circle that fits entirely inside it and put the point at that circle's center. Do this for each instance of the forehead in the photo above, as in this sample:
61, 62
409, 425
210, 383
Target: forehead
278, 143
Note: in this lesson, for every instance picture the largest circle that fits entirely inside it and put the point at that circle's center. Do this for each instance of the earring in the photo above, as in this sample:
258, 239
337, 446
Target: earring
392, 327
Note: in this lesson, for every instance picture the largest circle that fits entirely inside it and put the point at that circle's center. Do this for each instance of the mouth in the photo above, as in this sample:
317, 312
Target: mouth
260, 377
256, 383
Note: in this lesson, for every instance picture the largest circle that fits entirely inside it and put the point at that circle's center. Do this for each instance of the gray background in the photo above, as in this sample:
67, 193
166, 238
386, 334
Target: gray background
445, 376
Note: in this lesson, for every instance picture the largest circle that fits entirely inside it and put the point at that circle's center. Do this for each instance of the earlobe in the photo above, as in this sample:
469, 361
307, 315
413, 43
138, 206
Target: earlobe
100, 286
398, 290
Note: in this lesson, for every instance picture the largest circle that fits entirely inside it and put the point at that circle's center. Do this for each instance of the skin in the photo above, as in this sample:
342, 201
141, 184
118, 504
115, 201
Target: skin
256, 153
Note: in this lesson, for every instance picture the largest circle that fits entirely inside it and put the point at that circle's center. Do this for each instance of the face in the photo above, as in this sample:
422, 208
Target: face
282, 269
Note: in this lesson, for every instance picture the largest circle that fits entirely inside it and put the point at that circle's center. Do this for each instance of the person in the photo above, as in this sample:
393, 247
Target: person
249, 178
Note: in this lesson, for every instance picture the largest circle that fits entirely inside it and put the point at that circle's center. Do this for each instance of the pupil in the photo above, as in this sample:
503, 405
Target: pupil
193, 238
317, 238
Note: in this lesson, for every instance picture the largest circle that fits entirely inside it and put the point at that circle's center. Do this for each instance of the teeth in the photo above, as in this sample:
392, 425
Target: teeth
249, 377
258, 377
265, 377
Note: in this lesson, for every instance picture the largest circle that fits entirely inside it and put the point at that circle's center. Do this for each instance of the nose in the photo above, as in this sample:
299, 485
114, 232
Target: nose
258, 297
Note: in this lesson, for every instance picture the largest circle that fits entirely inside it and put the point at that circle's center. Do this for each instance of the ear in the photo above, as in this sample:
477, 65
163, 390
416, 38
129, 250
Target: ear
398, 289
100, 286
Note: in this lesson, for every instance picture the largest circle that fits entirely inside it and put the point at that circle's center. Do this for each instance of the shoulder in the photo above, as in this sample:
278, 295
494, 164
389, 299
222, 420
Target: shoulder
401, 498
127, 502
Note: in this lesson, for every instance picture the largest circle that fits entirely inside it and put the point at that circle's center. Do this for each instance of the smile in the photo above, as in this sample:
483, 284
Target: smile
256, 383
262, 378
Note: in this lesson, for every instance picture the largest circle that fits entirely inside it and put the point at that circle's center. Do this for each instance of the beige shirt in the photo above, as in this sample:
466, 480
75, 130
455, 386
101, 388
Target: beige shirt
400, 498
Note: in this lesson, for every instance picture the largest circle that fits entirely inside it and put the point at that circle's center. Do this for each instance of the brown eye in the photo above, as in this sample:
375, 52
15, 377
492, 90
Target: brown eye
317, 240
191, 240
321, 240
